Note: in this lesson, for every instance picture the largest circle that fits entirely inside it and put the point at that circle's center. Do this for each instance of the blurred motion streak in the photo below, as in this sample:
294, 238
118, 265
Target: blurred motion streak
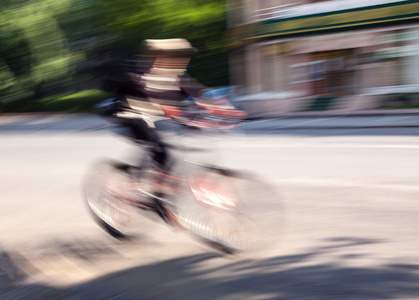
53, 48
324, 55
34, 52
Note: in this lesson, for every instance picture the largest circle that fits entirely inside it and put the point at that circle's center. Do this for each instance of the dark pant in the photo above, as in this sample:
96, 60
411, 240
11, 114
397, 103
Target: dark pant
142, 132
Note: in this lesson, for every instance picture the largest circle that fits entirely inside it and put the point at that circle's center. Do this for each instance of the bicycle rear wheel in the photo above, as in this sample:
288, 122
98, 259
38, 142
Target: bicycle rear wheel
247, 223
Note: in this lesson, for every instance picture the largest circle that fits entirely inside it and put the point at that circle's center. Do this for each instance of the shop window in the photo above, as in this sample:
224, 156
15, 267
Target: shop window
332, 73
299, 73
391, 58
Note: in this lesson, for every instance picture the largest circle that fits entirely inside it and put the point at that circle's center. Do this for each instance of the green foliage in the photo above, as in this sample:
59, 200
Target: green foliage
44, 42
122, 27
7, 78
67, 102
33, 50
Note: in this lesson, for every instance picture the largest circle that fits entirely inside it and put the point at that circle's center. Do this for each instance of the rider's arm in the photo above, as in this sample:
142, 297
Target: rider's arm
191, 87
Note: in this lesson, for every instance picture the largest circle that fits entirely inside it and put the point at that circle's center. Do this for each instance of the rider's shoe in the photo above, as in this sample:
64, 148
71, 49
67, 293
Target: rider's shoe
167, 214
175, 221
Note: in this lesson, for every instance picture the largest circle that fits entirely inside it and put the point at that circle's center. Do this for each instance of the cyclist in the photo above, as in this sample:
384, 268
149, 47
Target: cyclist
158, 91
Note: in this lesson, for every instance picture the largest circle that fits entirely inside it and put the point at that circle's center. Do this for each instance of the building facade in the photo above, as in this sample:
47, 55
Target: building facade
336, 54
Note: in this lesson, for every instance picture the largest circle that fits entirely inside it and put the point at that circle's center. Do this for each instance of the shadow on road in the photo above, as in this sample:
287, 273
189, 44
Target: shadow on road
304, 275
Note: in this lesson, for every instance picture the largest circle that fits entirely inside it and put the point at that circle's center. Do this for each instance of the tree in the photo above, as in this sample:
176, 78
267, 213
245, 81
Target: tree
44, 42
119, 29
34, 54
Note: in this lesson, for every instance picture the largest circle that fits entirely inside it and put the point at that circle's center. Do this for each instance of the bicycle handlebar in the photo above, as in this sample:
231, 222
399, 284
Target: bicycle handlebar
202, 116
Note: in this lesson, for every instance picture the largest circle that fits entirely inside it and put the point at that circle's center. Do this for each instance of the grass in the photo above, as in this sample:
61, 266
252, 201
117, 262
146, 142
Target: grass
82, 101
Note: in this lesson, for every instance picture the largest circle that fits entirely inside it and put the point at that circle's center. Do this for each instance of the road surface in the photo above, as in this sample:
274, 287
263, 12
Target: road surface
349, 221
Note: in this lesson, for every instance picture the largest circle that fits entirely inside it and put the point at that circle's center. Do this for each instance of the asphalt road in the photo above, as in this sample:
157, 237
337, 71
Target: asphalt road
348, 222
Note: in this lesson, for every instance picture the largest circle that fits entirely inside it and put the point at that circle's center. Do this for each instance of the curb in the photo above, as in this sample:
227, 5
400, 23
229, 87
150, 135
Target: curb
270, 126
331, 127
347, 114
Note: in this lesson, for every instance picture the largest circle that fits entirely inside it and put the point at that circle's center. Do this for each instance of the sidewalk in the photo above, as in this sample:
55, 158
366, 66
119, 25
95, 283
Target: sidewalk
35, 122
353, 113
288, 121
365, 119
336, 113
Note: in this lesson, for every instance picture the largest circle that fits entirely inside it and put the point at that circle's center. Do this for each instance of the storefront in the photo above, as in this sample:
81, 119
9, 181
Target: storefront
339, 53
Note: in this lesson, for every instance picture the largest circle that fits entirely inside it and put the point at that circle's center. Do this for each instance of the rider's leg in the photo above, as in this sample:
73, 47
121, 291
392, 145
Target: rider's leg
161, 158
159, 151
162, 163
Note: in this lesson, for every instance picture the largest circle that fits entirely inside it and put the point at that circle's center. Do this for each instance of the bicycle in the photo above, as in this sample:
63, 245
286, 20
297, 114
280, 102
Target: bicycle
205, 200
